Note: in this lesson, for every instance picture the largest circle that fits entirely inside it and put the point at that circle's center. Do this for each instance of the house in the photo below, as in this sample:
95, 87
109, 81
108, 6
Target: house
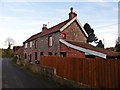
67, 38
15, 48
19, 53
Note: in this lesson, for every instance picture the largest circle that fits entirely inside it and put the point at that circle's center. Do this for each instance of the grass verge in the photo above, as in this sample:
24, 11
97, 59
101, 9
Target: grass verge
58, 82
29, 72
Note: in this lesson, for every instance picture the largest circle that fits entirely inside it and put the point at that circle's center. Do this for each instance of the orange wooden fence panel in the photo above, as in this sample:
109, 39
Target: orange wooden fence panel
100, 73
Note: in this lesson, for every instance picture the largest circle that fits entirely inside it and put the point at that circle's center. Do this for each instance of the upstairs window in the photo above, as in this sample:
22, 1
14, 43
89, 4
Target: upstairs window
25, 45
35, 43
50, 41
64, 35
30, 44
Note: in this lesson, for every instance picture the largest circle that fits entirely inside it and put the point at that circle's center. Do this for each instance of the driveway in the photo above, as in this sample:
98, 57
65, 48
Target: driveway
13, 77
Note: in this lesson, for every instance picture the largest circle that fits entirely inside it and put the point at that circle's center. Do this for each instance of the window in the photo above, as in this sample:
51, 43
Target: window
41, 53
55, 54
30, 44
63, 35
50, 41
25, 55
35, 43
63, 54
35, 55
25, 45
90, 56
87, 55
49, 53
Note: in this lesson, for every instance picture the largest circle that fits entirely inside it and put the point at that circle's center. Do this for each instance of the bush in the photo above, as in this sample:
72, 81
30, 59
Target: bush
14, 59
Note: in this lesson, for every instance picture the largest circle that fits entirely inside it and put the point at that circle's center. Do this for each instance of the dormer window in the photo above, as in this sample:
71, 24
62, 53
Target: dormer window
50, 41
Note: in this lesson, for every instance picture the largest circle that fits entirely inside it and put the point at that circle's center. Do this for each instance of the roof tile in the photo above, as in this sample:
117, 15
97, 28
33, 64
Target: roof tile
98, 49
50, 30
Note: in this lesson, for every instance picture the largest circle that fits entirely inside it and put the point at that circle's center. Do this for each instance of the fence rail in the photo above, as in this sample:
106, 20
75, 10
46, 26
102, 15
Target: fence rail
100, 73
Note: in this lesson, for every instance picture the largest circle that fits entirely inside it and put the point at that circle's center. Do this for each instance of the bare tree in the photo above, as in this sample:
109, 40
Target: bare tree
9, 41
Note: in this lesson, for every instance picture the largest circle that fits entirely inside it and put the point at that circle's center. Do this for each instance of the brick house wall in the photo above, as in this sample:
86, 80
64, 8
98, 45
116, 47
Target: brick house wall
42, 46
30, 51
74, 33
67, 31
71, 52
45, 48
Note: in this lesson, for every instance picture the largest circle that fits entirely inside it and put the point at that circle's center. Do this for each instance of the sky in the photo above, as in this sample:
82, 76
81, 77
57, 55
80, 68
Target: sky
20, 19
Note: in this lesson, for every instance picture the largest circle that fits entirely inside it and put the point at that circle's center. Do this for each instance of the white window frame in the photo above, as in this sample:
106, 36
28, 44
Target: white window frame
26, 45
30, 44
50, 41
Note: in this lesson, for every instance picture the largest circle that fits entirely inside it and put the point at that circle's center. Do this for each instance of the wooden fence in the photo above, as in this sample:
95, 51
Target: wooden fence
100, 73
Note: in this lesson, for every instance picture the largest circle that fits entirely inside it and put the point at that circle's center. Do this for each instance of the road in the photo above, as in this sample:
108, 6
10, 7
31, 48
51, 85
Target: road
13, 77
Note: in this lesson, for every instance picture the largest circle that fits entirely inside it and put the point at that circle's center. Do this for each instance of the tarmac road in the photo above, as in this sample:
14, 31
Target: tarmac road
13, 77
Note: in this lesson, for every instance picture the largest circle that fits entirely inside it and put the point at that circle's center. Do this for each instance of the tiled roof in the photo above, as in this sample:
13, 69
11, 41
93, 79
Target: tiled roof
48, 31
19, 51
109, 53
33, 37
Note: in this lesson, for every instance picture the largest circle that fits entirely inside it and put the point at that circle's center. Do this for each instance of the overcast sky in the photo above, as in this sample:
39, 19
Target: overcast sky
21, 19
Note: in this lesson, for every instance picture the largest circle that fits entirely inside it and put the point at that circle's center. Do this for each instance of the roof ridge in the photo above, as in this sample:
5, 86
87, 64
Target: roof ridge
49, 30
59, 23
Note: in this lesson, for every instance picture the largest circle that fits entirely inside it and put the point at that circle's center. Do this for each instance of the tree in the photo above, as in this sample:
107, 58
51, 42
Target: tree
91, 36
117, 46
9, 41
100, 44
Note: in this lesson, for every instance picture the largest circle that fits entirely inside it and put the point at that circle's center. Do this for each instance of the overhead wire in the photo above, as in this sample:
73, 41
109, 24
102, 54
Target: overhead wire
106, 26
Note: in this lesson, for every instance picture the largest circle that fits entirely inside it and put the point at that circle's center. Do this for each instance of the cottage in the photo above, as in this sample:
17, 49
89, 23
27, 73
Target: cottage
19, 53
68, 39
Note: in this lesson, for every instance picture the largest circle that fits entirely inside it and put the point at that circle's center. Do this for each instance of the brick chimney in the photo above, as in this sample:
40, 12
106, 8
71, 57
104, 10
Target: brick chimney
44, 28
72, 14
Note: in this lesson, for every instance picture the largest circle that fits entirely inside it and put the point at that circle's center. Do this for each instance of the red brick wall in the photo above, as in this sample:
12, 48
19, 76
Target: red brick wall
71, 52
74, 33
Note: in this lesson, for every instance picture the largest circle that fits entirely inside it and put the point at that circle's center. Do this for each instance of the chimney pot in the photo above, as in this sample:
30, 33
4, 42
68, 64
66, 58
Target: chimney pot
44, 25
71, 9
44, 28
72, 14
